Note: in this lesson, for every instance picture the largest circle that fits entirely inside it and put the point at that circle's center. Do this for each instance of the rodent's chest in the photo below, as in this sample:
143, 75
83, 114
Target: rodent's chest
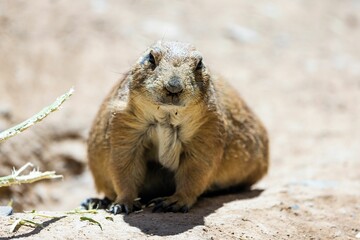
167, 124
167, 133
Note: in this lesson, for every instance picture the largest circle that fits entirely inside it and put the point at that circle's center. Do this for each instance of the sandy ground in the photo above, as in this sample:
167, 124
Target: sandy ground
297, 63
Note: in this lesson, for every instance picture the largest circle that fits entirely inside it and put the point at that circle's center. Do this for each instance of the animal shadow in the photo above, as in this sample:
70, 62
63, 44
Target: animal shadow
167, 224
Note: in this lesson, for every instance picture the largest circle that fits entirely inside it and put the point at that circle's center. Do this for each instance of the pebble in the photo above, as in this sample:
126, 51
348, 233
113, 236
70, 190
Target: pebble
6, 210
295, 207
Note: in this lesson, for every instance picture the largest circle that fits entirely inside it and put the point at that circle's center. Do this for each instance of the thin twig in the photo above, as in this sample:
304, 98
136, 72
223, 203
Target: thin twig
17, 173
36, 118
21, 222
33, 176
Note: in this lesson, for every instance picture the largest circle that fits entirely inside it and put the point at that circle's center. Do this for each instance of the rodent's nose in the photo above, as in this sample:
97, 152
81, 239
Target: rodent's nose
174, 85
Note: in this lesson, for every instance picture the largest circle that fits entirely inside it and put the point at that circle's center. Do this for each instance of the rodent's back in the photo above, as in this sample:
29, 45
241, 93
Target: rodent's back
246, 151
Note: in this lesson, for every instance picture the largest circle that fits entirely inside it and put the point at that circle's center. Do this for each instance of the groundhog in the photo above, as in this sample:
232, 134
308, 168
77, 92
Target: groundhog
170, 131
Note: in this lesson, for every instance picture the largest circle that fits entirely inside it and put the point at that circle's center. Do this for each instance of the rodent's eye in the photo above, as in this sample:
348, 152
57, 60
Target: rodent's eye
200, 65
152, 60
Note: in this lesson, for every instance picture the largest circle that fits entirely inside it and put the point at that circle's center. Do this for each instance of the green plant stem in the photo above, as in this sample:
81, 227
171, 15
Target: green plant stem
36, 118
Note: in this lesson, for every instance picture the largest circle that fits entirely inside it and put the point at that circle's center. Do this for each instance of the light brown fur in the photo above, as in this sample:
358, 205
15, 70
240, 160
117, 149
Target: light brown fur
206, 136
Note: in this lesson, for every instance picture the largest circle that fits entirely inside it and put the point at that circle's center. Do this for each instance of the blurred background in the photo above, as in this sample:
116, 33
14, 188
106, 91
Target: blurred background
296, 63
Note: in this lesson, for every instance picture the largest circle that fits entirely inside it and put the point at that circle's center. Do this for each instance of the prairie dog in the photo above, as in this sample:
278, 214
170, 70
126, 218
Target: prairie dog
170, 130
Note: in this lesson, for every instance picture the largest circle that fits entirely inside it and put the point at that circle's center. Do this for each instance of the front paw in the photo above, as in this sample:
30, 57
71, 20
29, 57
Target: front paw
171, 204
95, 203
127, 208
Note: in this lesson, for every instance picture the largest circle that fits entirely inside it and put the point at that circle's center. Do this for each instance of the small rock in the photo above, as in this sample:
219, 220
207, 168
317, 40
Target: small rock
295, 207
337, 234
6, 210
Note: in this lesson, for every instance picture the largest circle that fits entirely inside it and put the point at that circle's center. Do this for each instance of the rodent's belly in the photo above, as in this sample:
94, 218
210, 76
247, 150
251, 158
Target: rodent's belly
159, 182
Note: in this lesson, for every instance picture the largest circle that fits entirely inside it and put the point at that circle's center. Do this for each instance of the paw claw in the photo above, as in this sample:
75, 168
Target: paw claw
115, 209
168, 205
157, 207
155, 201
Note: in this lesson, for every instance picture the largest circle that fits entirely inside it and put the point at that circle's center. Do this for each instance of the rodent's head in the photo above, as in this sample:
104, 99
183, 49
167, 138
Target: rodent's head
170, 73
